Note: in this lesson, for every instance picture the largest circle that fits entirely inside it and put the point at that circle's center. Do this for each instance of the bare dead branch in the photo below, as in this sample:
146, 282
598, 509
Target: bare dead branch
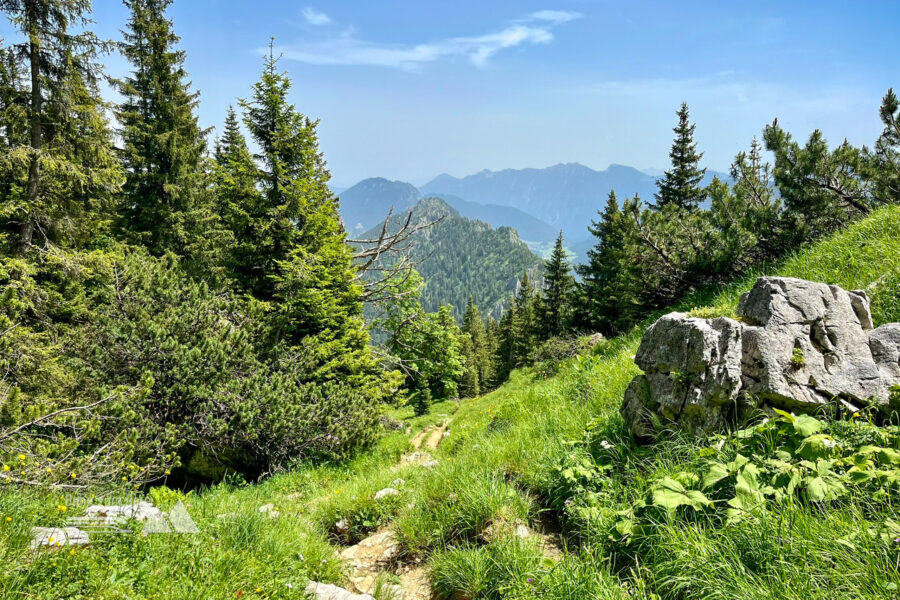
386, 260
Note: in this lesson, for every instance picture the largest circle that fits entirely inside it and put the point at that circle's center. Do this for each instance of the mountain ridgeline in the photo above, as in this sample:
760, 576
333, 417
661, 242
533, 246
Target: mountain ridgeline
537, 203
459, 257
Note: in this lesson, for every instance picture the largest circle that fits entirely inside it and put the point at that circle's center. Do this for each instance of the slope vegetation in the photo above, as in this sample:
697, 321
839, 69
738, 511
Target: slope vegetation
536, 460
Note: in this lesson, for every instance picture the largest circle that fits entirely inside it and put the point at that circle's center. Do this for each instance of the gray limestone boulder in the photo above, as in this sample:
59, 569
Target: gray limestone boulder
692, 374
58, 536
807, 344
796, 345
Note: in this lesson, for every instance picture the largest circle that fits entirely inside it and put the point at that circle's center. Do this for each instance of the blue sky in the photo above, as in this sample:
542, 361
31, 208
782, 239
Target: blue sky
409, 89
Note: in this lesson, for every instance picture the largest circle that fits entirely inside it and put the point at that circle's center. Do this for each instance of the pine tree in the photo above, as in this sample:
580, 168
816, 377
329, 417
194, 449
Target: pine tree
163, 144
482, 349
559, 286
506, 360
681, 184
293, 250
239, 201
59, 170
884, 159
525, 325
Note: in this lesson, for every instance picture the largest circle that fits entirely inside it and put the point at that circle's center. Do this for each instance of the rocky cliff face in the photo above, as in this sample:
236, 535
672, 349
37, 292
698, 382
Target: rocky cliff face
796, 345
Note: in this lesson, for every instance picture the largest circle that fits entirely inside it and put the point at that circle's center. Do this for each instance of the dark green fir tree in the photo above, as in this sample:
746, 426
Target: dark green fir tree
163, 145
558, 294
59, 174
681, 184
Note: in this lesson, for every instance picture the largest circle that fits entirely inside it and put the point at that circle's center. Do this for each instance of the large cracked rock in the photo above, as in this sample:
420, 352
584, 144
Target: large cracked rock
692, 374
797, 345
807, 344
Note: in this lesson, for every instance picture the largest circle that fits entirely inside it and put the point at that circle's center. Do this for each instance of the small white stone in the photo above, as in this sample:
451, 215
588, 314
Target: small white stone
398, 483
58, 536
386, 492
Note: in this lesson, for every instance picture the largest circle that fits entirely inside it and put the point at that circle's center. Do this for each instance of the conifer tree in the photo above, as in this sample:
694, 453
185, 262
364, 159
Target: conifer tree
603, 268
884, 159
163, 144
59, 168
681, 184
557, 299
468, 382
525, 325
506, 340
239, 202
482, 351
294, 250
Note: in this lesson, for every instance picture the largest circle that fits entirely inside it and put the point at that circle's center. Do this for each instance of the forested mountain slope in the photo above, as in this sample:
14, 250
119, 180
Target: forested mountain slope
461, 257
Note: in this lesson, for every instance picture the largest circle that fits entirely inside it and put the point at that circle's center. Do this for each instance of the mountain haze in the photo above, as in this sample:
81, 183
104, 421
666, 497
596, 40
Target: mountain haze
367, 203
566, 196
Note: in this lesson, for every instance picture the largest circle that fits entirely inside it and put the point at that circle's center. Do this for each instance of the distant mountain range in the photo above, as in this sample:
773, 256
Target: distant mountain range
565, 196
367, 203
538, 203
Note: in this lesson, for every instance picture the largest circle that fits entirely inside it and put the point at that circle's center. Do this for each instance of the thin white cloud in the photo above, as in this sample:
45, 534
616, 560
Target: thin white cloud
347, 49
314, 17
557, 17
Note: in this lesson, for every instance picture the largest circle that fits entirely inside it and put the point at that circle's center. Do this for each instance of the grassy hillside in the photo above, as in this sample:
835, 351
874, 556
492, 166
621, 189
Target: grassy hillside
551, 453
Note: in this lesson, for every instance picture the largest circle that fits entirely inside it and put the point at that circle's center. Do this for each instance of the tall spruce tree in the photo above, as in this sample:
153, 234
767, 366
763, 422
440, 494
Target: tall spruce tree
525, 324
239, 201
558, 294
606, 294
506, 360
58, 170
162, 143
681, 184
473, 326
294, 250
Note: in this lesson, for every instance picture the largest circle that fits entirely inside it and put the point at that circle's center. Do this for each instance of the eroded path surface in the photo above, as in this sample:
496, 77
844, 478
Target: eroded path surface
378, 556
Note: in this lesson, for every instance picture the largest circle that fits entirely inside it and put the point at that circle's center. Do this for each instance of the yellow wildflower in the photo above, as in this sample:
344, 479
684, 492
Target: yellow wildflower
51, 540
855, 415
72, 475
22, 457
168, 472
9, 519
71, 552
6, 467
61, 508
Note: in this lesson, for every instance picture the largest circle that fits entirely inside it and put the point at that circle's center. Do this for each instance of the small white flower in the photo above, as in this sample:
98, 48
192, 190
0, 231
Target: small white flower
605, 445
829, 443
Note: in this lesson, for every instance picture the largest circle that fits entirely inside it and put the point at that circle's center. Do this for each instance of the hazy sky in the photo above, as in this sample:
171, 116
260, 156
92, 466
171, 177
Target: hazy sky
409, 89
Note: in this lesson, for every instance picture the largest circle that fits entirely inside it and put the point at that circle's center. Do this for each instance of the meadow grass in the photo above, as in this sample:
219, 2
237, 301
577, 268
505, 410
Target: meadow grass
519, 454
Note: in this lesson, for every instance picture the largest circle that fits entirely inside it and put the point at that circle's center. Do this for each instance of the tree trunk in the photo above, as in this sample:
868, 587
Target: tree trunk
31, 191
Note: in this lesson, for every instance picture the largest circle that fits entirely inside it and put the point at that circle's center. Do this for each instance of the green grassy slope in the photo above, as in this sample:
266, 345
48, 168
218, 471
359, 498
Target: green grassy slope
552, 453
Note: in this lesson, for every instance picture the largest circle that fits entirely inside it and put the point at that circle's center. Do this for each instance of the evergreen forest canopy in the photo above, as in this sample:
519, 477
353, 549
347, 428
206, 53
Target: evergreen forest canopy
171, 300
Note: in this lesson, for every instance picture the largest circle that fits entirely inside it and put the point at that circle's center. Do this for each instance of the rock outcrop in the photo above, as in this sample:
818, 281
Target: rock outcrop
58, 536
797, 345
